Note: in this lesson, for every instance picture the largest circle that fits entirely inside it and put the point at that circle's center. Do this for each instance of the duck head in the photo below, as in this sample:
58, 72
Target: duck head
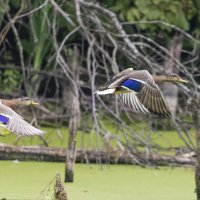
26, 101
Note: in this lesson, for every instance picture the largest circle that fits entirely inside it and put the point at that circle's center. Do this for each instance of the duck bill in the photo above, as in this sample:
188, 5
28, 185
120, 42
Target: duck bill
34, 103
182, 81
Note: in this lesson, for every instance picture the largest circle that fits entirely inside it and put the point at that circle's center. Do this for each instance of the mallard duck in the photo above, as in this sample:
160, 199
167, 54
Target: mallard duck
12, 121
139, 90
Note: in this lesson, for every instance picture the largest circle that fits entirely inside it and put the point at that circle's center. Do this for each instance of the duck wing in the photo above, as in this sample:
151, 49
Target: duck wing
144, 95
151, 97
131, 100
15, 123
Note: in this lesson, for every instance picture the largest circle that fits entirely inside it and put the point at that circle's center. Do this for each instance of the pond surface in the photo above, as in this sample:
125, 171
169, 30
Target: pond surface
32, 180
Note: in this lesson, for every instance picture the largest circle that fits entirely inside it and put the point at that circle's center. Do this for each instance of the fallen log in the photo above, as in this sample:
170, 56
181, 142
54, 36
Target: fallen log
54, 154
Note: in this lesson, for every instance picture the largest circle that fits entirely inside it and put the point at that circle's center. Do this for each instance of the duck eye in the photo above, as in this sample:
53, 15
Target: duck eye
25, 99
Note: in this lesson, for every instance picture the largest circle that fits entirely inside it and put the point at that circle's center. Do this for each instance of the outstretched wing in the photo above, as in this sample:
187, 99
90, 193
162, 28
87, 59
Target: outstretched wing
15, 123
145, 96
151, 97
131, 100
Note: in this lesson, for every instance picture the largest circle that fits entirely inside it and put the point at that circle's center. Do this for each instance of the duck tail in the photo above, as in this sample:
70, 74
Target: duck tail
106, 91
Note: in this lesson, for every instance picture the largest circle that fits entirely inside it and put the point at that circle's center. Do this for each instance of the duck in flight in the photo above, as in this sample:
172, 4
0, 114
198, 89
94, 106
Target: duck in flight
139, 90
12, 121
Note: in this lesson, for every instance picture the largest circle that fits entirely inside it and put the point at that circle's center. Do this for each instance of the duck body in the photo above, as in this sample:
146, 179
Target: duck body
126, 81
12, 121
139, 90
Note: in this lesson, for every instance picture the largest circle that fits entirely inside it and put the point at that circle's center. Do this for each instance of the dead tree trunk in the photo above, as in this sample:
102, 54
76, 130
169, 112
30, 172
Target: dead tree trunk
196, 119
55, 154
170, 90
72, 97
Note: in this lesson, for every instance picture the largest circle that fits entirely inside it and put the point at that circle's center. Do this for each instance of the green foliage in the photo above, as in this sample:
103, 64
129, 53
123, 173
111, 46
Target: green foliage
9, 80
38, 43
42, 33
3, 9
196, 19
177, 12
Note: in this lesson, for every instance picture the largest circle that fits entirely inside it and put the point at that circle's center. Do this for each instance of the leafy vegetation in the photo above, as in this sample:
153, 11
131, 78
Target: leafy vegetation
164, 10
11, 79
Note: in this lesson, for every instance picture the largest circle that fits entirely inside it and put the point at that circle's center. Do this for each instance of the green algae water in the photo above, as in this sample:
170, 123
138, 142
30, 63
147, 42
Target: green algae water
32, 180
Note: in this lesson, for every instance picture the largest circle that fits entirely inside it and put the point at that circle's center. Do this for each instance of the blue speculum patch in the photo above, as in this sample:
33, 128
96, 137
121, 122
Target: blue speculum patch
3, 119
132, 85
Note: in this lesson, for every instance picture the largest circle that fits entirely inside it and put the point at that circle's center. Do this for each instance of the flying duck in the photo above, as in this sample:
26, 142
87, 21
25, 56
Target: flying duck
139, 90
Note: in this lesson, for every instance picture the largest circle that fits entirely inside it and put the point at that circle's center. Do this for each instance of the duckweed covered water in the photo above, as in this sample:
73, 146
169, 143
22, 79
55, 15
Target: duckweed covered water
26, 180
